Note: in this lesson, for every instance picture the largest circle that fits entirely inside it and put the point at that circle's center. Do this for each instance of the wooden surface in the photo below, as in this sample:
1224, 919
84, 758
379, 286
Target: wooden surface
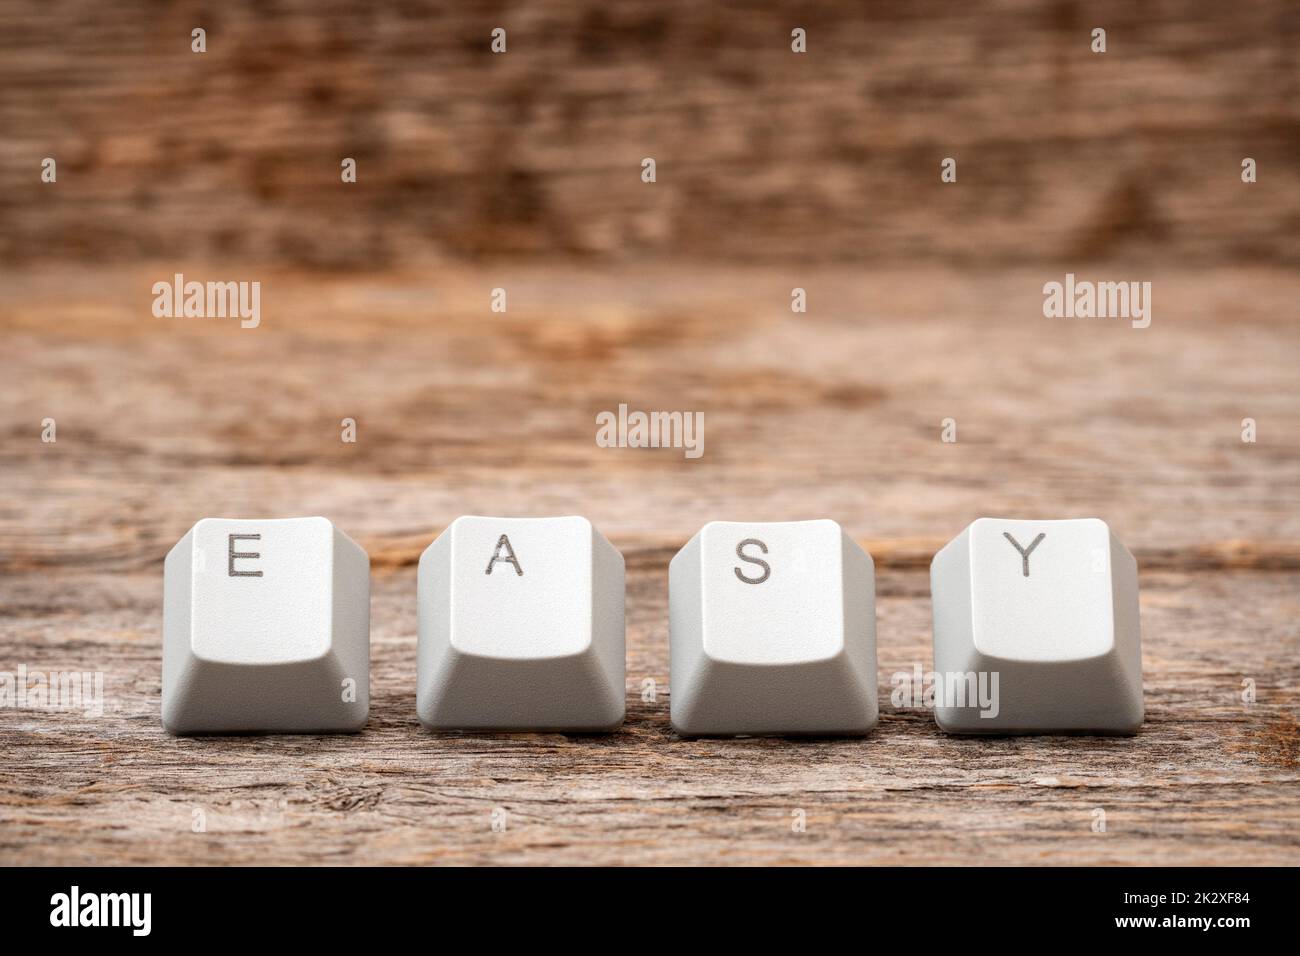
834, 413
763, 155
775, 170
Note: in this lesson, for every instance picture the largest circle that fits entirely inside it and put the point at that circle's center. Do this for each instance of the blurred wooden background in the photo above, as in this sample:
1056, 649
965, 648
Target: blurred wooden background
830, 156
774, 171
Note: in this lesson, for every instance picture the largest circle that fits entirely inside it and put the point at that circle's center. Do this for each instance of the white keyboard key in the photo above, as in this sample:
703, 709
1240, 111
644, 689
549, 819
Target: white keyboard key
1051, 609
773, 631
521, 627
266, 628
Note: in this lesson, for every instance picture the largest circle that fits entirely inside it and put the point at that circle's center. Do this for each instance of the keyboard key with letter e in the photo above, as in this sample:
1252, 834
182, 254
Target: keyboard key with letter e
266, 628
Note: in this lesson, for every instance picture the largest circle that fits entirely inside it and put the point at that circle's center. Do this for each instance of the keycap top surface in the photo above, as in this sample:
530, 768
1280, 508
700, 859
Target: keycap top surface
789, 614
293, 568
1062, 609
527, 597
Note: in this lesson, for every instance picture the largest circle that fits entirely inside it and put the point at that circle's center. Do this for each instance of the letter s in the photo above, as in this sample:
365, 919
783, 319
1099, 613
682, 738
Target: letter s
767, 568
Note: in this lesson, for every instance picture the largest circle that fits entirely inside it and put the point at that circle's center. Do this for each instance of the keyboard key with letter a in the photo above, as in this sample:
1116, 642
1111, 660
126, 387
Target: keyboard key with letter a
521, 627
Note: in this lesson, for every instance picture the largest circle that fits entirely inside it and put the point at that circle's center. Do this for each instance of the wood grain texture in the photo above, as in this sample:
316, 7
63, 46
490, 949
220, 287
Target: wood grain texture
1209, 780
763, 155
776, 171
835, 413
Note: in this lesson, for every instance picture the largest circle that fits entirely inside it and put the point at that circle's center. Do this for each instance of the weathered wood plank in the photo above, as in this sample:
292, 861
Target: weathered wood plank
775, 171
835, 413
1208, 780
764, 155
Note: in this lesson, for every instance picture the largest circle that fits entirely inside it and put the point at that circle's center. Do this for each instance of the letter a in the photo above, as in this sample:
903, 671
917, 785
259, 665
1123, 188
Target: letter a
504, 542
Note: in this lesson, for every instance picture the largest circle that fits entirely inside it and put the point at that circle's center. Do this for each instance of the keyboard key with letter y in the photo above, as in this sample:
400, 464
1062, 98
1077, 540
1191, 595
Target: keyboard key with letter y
1036, 630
